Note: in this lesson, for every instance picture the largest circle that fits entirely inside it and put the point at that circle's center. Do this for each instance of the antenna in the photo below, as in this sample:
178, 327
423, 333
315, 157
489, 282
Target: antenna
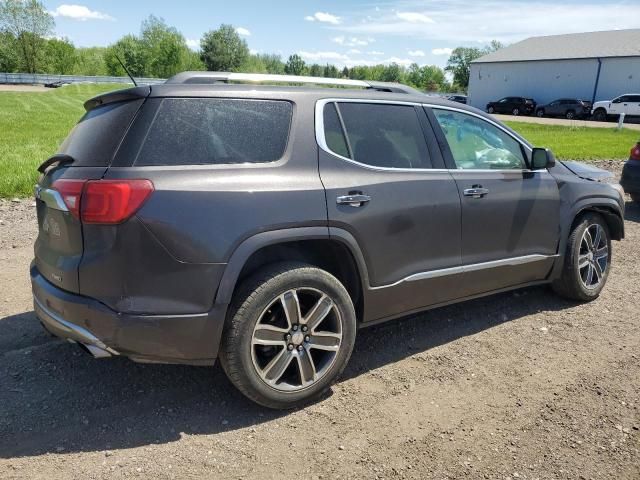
126, 70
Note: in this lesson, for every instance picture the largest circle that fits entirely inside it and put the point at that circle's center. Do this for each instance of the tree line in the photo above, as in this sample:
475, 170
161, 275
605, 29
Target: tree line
159, 50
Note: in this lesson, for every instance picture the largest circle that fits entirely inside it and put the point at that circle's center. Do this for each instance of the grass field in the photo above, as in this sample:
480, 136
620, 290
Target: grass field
32, 125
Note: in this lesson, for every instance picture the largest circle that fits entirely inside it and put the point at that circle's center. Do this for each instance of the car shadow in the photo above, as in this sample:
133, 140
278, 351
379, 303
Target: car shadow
632, 212
55, 398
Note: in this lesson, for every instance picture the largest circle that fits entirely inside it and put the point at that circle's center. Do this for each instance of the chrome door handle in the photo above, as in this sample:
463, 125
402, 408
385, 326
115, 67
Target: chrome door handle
475, 192
353, 200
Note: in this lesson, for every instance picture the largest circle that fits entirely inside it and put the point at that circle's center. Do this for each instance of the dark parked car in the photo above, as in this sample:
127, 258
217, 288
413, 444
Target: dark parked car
512, 105
458, 98
565, 107
264, 225
57, 84
630, 179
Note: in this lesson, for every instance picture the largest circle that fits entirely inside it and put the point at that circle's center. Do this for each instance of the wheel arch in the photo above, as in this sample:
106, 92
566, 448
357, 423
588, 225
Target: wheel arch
333, 250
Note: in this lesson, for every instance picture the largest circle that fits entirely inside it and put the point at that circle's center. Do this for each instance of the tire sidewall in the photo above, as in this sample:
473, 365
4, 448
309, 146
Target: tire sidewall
515, 112
254, 306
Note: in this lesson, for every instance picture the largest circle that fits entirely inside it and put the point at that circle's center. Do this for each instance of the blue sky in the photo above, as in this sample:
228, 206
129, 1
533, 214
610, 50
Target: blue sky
348, 32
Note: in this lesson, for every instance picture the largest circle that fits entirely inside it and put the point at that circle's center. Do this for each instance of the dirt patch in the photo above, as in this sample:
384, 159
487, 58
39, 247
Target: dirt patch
519, 385
5, 87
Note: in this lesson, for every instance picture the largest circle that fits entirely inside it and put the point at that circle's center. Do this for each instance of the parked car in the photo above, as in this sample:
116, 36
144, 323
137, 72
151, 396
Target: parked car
630, 179
629, 104
458, 98
57, 84
263, 226
565, 107
512, 105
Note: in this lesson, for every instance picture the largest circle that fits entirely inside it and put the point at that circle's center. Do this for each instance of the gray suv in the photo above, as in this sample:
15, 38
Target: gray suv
207, 218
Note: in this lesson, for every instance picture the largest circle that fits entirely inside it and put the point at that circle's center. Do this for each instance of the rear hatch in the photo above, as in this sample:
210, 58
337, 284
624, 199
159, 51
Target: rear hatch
85, 155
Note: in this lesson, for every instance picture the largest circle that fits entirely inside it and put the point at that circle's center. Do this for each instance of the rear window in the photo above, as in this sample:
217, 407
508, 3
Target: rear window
213, 131
95, 138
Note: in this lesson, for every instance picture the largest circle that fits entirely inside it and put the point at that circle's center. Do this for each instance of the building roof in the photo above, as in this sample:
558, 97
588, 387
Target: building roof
612, 43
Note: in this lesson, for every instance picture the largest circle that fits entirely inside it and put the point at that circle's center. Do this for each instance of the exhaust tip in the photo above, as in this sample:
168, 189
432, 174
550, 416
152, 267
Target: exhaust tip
94, 351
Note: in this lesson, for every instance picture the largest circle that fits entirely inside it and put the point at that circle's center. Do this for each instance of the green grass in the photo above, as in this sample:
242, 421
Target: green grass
32, 126
579, 143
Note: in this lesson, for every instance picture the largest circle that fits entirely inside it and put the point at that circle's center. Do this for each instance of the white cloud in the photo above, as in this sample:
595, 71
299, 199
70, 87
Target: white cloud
405, 62
414, 17
352, 41
243, 31
442, 51
375, 52
340, 59
315, 56
193, 44
323, 17
79, 12
354, 51
416, 53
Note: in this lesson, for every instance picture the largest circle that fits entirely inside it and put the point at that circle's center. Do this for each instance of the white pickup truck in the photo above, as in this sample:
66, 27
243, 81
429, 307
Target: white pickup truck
629, 104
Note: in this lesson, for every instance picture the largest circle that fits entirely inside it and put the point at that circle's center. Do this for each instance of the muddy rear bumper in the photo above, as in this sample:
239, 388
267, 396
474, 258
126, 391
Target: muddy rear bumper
190, 339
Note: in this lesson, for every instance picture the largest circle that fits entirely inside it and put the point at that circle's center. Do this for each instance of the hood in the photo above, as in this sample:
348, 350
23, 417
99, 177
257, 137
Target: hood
588, 172
601, 103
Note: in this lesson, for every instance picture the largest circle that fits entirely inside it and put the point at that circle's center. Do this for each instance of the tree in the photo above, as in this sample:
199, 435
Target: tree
29, 22
253, 64
166, 49
223, 49
345, 72
9, 57
272, 62
133, 53
459, 64
316, 70
295, 65
331, 71
90, 61
60, 56
392, 73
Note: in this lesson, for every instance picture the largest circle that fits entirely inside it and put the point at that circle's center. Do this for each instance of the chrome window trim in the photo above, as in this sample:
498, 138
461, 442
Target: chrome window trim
505, 262
322, 142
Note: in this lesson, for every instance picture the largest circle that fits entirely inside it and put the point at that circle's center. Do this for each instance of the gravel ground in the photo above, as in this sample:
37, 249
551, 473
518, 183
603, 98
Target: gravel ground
519, 385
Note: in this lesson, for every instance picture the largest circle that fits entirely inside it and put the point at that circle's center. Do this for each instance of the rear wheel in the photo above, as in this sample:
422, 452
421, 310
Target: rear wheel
540, 113
490, 110
587, 260
570, 115
289, 335
515, 111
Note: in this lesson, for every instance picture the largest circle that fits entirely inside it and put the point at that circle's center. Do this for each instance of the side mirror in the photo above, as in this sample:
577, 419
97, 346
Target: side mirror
542, 158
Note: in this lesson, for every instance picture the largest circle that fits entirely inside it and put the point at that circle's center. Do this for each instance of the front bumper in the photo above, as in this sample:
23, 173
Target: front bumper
630, 179
189, 339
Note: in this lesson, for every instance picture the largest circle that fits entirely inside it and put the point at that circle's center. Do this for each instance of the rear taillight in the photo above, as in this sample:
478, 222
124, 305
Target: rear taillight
104, 201
635, 152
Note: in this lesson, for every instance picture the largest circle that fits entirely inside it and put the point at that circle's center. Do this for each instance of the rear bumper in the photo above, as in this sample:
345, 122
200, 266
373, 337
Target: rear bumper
190, 339
630, 179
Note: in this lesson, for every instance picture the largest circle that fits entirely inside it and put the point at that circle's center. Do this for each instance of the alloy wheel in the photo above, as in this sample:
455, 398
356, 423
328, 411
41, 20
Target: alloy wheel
296, 339
593, 256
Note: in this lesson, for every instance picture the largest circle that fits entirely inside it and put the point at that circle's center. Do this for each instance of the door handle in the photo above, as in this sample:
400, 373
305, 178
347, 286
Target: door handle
476, 192
353, 199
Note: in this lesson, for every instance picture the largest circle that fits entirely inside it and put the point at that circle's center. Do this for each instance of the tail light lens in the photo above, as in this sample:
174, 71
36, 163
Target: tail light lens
635, 152
104, 201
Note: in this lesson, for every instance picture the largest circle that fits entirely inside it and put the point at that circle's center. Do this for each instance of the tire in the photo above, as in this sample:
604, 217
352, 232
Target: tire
635, 197
540, 113
490, 110
600, 115
571, 283
515, 112
570, 115
260, 301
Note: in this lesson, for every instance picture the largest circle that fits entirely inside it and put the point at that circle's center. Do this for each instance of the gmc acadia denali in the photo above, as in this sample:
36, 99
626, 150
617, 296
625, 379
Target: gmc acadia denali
212, 217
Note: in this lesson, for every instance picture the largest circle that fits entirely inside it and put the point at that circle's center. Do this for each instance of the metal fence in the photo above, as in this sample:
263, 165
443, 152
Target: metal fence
41, 79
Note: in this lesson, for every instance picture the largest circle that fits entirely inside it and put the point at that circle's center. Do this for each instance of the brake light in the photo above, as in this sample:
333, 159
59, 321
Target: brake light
71, 191
635, 152
103, 201
113, 201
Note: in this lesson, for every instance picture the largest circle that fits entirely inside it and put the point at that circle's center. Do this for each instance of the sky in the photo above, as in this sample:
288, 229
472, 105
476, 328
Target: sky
348, 32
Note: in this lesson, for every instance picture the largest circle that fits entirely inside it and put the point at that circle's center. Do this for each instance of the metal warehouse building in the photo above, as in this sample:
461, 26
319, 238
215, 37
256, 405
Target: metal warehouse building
589, 66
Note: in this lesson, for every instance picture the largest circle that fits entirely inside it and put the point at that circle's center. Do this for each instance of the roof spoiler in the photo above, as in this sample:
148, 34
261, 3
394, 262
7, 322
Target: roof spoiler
207, 78
118, 96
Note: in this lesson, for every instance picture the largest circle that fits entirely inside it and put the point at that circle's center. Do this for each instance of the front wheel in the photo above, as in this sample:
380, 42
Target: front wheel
490, 110
289, 335
515, 111
600, 115
587, 260
540, 113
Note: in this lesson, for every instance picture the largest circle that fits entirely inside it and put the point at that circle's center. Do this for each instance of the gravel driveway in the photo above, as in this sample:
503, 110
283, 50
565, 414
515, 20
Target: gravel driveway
519, 385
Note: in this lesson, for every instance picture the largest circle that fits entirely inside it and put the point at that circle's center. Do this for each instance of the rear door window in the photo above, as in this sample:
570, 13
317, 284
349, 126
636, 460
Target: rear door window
380, 135
214, 131
96, 137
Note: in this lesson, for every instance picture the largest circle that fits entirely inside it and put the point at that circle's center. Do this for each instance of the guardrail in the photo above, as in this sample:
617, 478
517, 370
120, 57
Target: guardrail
41, 79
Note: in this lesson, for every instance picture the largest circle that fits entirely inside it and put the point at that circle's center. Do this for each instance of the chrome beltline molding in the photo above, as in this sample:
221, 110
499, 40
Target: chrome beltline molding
505, 262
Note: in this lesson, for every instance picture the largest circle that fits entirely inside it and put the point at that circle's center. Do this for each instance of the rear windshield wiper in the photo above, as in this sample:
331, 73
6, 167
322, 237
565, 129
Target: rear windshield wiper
59, 158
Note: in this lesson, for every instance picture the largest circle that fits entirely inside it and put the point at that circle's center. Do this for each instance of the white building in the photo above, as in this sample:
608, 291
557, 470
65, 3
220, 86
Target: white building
588, 66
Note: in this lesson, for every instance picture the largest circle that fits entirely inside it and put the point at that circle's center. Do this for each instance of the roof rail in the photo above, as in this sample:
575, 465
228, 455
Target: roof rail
227, 77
